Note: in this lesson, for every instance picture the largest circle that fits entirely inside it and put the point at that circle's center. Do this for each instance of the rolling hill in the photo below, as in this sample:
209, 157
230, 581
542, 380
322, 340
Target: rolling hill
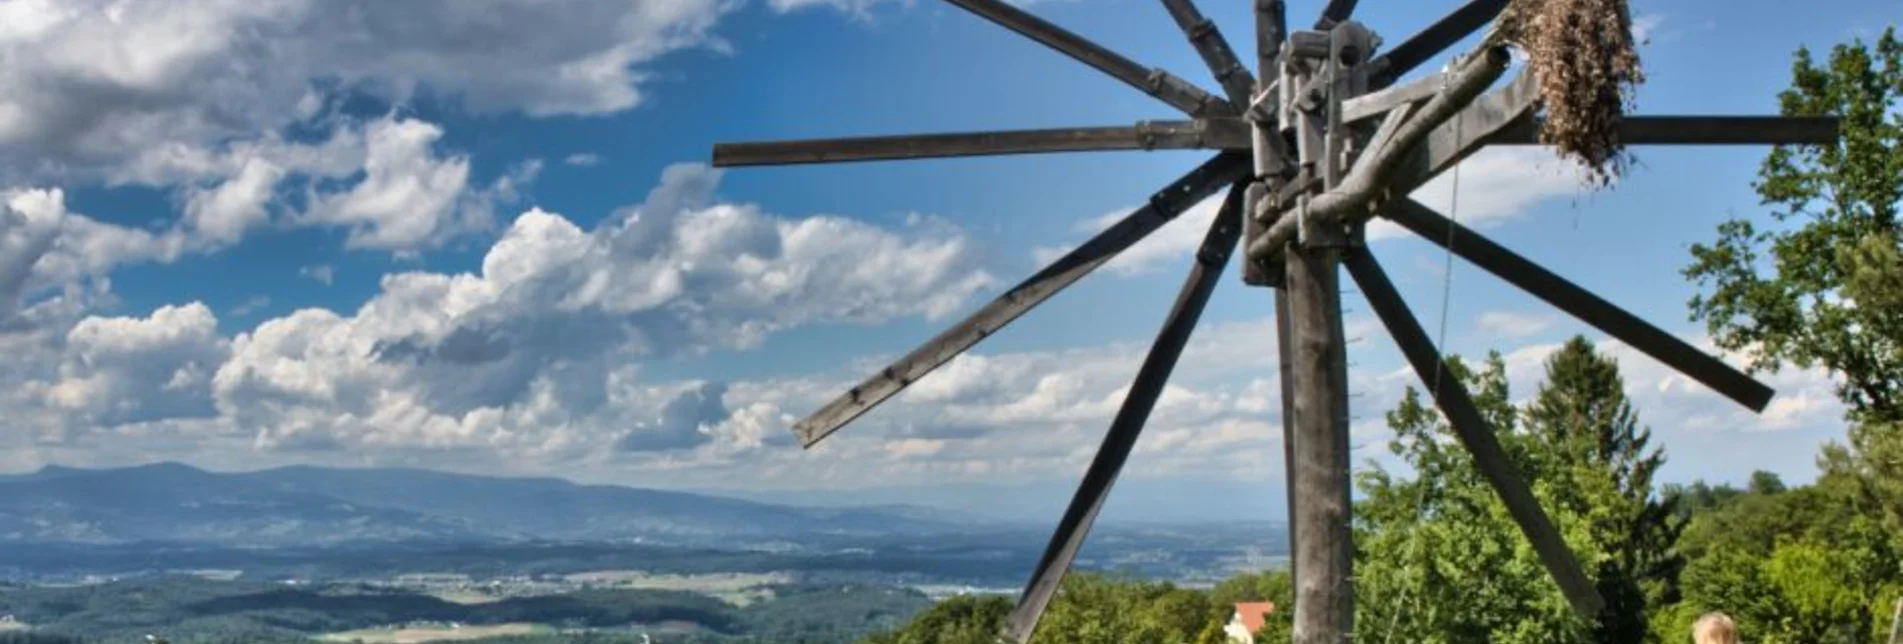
304, 506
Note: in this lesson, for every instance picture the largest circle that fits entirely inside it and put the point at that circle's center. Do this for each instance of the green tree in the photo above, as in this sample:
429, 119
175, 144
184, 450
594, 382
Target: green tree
1821, 289
1274, 586
1826, 288
1588, 437
1441, 559
965, 619
1438, 559
1094, 608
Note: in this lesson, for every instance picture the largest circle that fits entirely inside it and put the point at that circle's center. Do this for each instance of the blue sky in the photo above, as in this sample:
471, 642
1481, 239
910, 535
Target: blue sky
484, 238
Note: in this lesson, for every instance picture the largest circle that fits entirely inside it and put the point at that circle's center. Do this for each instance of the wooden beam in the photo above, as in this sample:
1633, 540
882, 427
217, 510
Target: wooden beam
1210, 259
1324, 543
1206, 134
1160, 84
1271, 27
1475, 433
1383, 137
1579, 302
1430, 42
1335, 13
1369, 105
1162, 207
1467, 132
1237, 83
1701, 130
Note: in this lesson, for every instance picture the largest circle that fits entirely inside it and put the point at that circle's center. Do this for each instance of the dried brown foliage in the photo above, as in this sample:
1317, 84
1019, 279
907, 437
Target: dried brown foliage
1583, 54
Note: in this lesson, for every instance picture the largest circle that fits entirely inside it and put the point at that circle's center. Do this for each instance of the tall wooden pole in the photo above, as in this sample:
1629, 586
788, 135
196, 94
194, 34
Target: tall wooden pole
1323, 551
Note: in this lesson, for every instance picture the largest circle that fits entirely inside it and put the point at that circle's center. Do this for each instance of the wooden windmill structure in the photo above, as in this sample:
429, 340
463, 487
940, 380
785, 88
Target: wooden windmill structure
1320, 139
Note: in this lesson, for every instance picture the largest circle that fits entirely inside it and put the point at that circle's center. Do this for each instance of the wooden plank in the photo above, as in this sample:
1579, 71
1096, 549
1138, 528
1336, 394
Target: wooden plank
1701, 130
1237, 83
1162, 207
1369, 105
1164, 86
1433, 40
1579, 302
1210, 259
1475, 434
1217, 134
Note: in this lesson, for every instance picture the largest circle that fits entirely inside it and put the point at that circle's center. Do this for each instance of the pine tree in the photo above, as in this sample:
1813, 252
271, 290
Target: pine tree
1592, 441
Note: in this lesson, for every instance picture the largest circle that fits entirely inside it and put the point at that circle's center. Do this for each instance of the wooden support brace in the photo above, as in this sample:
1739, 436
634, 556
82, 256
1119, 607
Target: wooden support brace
1475, 434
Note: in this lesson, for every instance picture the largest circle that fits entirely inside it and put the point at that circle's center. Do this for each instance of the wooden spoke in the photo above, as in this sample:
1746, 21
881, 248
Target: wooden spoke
1075, 525
1335, 13
1162, 207
1430, 42
1702, 130
1168, 88
1271, 27
1237, 83
1474, 433
1218, 134
1579, 302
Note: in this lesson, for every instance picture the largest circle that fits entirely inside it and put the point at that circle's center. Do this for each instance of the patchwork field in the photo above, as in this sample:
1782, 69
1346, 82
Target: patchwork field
739, 589
417, 635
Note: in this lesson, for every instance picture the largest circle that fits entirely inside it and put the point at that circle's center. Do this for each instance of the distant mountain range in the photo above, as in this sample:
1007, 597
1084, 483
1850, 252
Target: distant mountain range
307, 506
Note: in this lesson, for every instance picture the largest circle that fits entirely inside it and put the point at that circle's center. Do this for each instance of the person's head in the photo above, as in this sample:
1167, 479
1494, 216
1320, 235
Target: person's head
1715, 628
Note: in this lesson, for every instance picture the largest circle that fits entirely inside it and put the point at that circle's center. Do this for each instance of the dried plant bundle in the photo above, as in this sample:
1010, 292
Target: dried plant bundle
1587, 67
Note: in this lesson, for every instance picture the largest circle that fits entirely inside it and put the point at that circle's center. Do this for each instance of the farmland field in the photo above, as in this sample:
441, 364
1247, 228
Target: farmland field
417, 635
